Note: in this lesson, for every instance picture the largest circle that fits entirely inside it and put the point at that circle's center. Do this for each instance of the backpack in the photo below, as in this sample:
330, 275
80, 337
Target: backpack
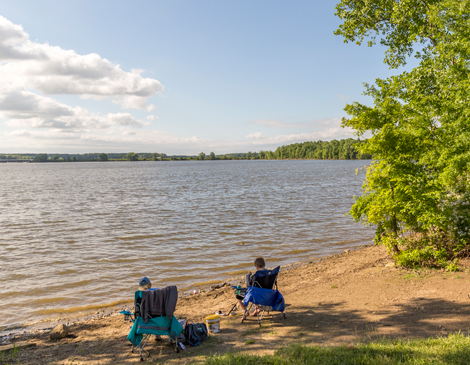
195, 333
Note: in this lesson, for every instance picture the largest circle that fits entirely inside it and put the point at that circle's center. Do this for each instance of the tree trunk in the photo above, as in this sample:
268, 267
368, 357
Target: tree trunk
394, 227
395, 233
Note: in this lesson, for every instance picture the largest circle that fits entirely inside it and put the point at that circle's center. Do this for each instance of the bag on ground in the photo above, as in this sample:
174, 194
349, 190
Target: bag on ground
196, 333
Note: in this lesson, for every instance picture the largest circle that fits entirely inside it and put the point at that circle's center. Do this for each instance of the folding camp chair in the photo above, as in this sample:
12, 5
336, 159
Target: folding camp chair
158, 325
263, 291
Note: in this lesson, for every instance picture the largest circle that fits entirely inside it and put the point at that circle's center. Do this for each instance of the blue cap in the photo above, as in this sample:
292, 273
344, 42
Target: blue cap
144, 281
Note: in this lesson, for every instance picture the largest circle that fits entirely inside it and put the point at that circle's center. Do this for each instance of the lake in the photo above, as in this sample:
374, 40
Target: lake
78, 236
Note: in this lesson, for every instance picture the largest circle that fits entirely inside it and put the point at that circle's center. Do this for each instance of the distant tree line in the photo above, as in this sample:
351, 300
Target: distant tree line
345, 149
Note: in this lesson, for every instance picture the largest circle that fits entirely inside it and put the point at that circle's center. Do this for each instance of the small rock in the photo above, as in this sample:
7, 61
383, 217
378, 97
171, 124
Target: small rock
59, 331
347, 250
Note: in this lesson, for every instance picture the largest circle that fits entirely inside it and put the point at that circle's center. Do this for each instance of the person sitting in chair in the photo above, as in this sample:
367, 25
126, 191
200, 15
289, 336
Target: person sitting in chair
144, 284
259, 265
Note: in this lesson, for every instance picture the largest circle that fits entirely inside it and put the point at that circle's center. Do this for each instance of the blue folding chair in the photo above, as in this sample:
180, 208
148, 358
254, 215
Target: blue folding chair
264, 293
159, 325
266, 299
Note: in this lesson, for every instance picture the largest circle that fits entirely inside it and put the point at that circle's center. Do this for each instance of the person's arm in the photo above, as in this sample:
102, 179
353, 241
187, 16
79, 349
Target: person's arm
248, 279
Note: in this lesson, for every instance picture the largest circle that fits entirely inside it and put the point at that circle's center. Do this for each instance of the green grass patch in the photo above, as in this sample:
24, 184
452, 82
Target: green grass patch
249, 342
250, 332
454, 349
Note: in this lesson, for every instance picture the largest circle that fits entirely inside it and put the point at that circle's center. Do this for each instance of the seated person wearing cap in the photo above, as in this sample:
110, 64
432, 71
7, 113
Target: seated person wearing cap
144, 284
259, 265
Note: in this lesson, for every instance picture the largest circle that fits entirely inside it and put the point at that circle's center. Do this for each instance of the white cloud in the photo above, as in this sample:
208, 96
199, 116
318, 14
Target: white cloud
31, 72
151, 118
326, 134
53, 70
24, 108
257, 135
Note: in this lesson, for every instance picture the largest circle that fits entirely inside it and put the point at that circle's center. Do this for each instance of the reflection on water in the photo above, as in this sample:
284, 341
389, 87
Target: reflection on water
81, 235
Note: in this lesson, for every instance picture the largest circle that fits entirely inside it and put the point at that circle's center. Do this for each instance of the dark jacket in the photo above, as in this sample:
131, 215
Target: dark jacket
160, 302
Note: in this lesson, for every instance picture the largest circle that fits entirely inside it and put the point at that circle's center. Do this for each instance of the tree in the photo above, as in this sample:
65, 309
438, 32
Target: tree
103, 157
248, 155
212, 156
155, 156
131, 156
202, 156
42, 157
419, 180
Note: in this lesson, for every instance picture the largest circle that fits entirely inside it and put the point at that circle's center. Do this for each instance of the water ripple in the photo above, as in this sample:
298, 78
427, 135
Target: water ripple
71, 231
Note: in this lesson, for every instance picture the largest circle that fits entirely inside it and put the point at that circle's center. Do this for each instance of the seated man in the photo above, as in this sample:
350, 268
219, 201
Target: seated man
259, 265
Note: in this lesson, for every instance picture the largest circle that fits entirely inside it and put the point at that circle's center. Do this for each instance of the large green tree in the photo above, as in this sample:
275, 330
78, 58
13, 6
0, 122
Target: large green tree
419, 180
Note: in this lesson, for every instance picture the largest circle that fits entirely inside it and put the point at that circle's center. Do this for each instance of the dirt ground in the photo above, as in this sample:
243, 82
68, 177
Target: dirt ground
357, 296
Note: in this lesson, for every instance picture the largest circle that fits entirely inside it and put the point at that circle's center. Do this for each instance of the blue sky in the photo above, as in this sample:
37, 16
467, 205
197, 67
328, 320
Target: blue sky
222, 76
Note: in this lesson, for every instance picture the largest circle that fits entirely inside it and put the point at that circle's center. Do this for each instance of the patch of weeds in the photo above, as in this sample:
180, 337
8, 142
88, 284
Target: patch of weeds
300, 334
334, 286
249, 332
249, 342
273, 333
14, 352
458, 277
410, 276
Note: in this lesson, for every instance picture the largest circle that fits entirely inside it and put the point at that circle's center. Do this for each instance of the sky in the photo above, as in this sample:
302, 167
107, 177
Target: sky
176, 76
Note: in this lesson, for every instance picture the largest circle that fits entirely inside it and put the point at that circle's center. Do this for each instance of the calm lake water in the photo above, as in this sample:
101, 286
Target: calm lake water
79, 236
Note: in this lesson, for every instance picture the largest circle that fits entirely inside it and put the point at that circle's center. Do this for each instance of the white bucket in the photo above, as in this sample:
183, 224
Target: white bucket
213, 323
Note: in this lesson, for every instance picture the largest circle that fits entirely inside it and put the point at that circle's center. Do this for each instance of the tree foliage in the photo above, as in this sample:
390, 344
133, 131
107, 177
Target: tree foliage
417, 189
132, 156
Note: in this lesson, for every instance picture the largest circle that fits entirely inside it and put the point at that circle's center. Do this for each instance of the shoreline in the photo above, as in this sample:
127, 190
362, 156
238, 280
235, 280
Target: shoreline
351, 298
46, 325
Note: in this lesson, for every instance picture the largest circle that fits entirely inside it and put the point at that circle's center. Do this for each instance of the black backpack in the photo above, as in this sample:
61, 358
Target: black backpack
195, 333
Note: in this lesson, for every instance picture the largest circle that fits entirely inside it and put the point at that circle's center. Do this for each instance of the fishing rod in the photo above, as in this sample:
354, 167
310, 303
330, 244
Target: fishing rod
265, 261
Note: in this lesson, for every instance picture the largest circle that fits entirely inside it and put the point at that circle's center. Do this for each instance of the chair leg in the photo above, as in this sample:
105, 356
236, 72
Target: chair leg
247, 312
141, 347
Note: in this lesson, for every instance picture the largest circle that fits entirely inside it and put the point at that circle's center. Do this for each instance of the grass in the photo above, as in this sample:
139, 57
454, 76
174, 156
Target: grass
454, 349
250, 332
12, 354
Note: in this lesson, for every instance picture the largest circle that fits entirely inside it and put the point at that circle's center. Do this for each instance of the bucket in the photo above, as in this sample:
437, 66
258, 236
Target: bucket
213, 323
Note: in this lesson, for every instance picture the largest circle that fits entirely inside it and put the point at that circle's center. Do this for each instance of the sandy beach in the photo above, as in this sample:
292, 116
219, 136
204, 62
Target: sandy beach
356, 296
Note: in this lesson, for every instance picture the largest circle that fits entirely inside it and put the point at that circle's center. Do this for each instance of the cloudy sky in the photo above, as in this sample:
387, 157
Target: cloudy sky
178, 77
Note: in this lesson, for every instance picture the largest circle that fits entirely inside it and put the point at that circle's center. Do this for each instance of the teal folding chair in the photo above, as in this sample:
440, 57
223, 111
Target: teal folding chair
159, 326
